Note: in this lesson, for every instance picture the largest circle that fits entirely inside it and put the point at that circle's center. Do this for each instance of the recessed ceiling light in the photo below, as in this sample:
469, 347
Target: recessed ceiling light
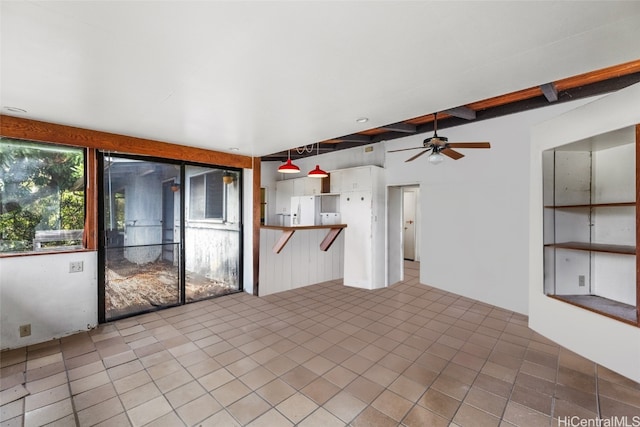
234, 149
15, 110
362, 120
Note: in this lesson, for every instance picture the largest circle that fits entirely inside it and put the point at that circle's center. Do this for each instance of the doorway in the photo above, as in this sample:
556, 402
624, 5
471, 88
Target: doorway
409, 221
175, 238
403, 229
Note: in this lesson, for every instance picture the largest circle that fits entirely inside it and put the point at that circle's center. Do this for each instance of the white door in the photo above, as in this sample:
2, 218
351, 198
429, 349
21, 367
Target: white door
409, 204
355, 207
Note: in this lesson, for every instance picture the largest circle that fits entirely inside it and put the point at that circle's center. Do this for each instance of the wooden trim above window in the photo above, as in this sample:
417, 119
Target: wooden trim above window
33, 130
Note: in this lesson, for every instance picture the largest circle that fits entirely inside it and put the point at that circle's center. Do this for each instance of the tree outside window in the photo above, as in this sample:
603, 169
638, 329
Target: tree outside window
41, 196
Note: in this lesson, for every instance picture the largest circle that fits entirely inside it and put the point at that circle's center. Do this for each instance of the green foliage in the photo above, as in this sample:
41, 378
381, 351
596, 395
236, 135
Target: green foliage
47, 183
18, 229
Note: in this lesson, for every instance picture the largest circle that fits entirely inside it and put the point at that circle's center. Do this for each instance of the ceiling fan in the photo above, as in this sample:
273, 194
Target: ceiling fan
440, 145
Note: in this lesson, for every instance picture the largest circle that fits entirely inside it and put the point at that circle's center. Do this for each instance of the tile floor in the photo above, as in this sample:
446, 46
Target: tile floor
325, 355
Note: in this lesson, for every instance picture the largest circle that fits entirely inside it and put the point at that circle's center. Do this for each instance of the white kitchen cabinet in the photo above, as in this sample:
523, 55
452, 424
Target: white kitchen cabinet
362, 208
303, 186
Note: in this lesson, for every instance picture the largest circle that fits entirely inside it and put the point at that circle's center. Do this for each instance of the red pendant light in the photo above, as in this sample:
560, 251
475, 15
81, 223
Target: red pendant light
289, 167
317, 172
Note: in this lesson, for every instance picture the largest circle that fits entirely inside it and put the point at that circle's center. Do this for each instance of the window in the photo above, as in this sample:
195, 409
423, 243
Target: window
42, 196
206, 197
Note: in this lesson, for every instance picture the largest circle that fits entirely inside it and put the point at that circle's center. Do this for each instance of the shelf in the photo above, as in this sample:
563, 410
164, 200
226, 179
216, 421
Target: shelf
594, 205
615, 309
595, 247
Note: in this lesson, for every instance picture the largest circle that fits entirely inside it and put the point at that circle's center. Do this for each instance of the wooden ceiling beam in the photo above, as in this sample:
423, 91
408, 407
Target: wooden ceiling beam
576, 87
400, 127
549, 91
362, 139
462, 113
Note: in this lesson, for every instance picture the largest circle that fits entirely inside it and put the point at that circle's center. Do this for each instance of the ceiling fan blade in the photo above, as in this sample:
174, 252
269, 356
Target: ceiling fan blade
469, 145
452, 153
404, 149
417, 155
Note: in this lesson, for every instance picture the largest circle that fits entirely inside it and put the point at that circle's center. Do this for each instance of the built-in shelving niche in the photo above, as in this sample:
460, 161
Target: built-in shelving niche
590, 224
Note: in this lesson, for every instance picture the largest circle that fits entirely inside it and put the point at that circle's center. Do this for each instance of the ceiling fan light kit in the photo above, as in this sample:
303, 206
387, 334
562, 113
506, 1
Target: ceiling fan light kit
440, 146
436, 158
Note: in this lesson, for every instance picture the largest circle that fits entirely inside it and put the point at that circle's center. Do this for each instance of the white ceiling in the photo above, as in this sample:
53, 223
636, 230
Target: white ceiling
267, 76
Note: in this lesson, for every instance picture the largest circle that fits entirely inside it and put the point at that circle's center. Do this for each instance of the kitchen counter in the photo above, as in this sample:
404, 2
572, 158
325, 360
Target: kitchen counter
287, 233
292, 257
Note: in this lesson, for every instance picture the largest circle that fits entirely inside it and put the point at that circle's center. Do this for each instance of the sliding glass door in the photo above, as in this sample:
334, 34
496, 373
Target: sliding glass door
212, 232
141, 253
170, 234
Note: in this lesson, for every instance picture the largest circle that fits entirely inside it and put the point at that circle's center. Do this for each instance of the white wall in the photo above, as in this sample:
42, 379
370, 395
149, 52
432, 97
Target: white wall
39, 290
475, 211
247, 233
608, 342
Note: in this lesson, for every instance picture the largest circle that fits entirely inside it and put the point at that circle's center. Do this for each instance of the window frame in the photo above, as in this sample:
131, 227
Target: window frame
84, 238
224, 202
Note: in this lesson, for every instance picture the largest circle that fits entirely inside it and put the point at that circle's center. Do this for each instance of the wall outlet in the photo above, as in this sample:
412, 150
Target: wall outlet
25, 330
581, 280
76, 266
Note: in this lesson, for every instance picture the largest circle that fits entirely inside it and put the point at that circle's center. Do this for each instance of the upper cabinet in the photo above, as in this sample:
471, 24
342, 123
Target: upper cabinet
288, 188
590, 192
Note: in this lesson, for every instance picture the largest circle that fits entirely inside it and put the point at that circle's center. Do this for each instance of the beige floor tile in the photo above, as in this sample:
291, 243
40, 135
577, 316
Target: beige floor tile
215, 379
519, 415
12, 410
94, 396
85, 370
486, 401
248, 408
372, 417
231, 392
185, 393
269, 419
43, 361
532, 399
87, 383
198, 409
176, 379
392, 405
439, 403
257, 377
321, 418
48, 414
468, 416
451, 387
320, 390
100, 412
12, 394
132, 381
47, 397
46, 383
139, 395
364, 389
149, 411
276, 391
345, 406
297, 407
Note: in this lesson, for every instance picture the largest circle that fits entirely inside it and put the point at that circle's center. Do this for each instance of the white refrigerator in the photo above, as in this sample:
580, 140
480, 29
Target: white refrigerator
305, 210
